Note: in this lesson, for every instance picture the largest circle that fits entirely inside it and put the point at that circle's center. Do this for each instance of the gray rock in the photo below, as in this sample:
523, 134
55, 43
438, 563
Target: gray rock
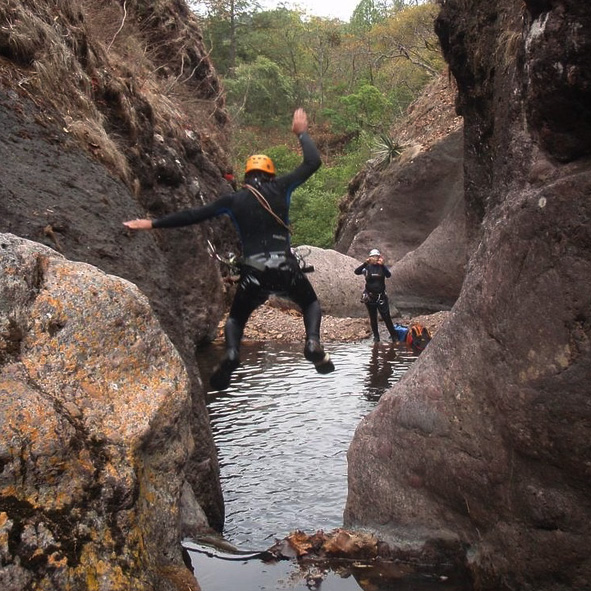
337, 287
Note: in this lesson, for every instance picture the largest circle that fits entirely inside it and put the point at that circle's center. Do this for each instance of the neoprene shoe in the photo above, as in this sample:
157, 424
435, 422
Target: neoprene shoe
314, 352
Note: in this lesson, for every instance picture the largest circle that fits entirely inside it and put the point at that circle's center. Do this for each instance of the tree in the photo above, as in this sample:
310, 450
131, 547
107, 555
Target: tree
280, 36
260, 94
409, 35
322, 40
368, 108
223, 19
366, 14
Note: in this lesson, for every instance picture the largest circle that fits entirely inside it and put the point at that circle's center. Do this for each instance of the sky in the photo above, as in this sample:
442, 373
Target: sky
342, 9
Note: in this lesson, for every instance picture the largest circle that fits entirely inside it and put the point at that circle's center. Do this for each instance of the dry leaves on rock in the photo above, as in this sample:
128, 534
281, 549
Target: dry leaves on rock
339, 543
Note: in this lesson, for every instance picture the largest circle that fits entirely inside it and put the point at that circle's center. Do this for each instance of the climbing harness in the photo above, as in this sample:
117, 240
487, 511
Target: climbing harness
368, 297
231, 261
300, 254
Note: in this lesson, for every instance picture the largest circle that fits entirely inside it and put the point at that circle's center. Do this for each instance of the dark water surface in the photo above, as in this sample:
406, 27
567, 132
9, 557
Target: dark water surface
282, 432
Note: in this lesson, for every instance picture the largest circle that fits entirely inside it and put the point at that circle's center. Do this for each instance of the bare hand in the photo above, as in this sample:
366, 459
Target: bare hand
300, 121
375, 260
139, 224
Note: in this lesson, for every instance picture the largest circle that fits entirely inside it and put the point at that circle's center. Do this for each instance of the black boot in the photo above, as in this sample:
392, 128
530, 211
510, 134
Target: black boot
314, 352
222, 375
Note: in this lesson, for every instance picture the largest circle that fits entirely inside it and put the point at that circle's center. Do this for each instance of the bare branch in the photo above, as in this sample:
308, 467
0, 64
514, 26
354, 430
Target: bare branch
120, 27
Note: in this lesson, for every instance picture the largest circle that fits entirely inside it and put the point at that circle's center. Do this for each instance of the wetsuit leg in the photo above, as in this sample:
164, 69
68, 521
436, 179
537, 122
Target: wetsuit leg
384, 308
300, 290
303, 294
249, 296
372, 310
312, 317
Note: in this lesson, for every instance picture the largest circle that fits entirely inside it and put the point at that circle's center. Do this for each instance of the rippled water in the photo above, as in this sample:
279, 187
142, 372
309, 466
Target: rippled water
282, 433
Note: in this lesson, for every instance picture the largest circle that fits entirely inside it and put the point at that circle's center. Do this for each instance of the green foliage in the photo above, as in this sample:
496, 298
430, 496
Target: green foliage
315, 205
260, 94
283, 158
314, 212
366, 108
386, 150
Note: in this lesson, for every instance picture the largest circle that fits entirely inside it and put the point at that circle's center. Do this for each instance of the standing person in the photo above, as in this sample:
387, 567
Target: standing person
374, 295
260, 213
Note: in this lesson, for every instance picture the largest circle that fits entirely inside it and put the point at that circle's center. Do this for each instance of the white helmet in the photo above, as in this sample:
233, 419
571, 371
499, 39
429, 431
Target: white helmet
374, 252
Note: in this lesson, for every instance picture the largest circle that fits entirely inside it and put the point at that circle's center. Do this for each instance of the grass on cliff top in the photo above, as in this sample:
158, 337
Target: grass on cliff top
93, 65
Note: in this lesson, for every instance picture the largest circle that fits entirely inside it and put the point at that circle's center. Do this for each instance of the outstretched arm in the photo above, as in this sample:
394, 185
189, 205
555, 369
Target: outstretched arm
185, 217
139, 224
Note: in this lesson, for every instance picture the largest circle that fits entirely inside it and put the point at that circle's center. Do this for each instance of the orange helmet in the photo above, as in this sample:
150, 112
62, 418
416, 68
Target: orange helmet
260, 162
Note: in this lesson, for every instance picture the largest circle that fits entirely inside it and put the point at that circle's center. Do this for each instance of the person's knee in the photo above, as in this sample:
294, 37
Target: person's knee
312, 307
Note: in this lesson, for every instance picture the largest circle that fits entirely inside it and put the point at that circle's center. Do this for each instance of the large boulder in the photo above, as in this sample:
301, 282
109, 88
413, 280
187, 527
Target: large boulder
485, 442
95, 437
336, 285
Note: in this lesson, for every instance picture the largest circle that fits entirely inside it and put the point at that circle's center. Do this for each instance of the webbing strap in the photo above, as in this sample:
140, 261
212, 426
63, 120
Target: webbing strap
261, 199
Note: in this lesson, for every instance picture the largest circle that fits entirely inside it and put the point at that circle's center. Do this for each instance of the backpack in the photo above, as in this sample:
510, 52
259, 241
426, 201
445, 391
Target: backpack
418, 336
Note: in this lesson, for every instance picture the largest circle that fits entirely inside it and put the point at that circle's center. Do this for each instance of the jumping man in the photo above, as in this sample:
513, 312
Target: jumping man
260, 213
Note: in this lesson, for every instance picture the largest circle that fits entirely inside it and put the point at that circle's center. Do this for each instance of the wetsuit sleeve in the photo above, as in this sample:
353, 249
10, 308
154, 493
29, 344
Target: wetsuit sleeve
187, 217
360, 269
308, 167
386, 271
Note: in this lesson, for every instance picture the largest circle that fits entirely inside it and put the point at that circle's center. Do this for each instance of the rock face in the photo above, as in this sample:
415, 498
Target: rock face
91, 138
95, 440
413, 210
485, 442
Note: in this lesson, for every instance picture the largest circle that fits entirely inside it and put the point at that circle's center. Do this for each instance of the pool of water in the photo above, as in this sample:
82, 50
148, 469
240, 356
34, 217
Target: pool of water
282, 432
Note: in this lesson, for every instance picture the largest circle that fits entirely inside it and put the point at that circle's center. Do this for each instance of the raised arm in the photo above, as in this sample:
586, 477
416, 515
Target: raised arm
311, 156
300, 121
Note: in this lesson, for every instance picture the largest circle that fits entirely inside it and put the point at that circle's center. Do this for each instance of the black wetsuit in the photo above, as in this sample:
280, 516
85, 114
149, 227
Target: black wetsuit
375, 297
267, 263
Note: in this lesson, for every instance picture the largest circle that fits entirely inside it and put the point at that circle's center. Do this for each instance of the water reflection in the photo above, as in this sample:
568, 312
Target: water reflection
282, 433
216, 574
380, 370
